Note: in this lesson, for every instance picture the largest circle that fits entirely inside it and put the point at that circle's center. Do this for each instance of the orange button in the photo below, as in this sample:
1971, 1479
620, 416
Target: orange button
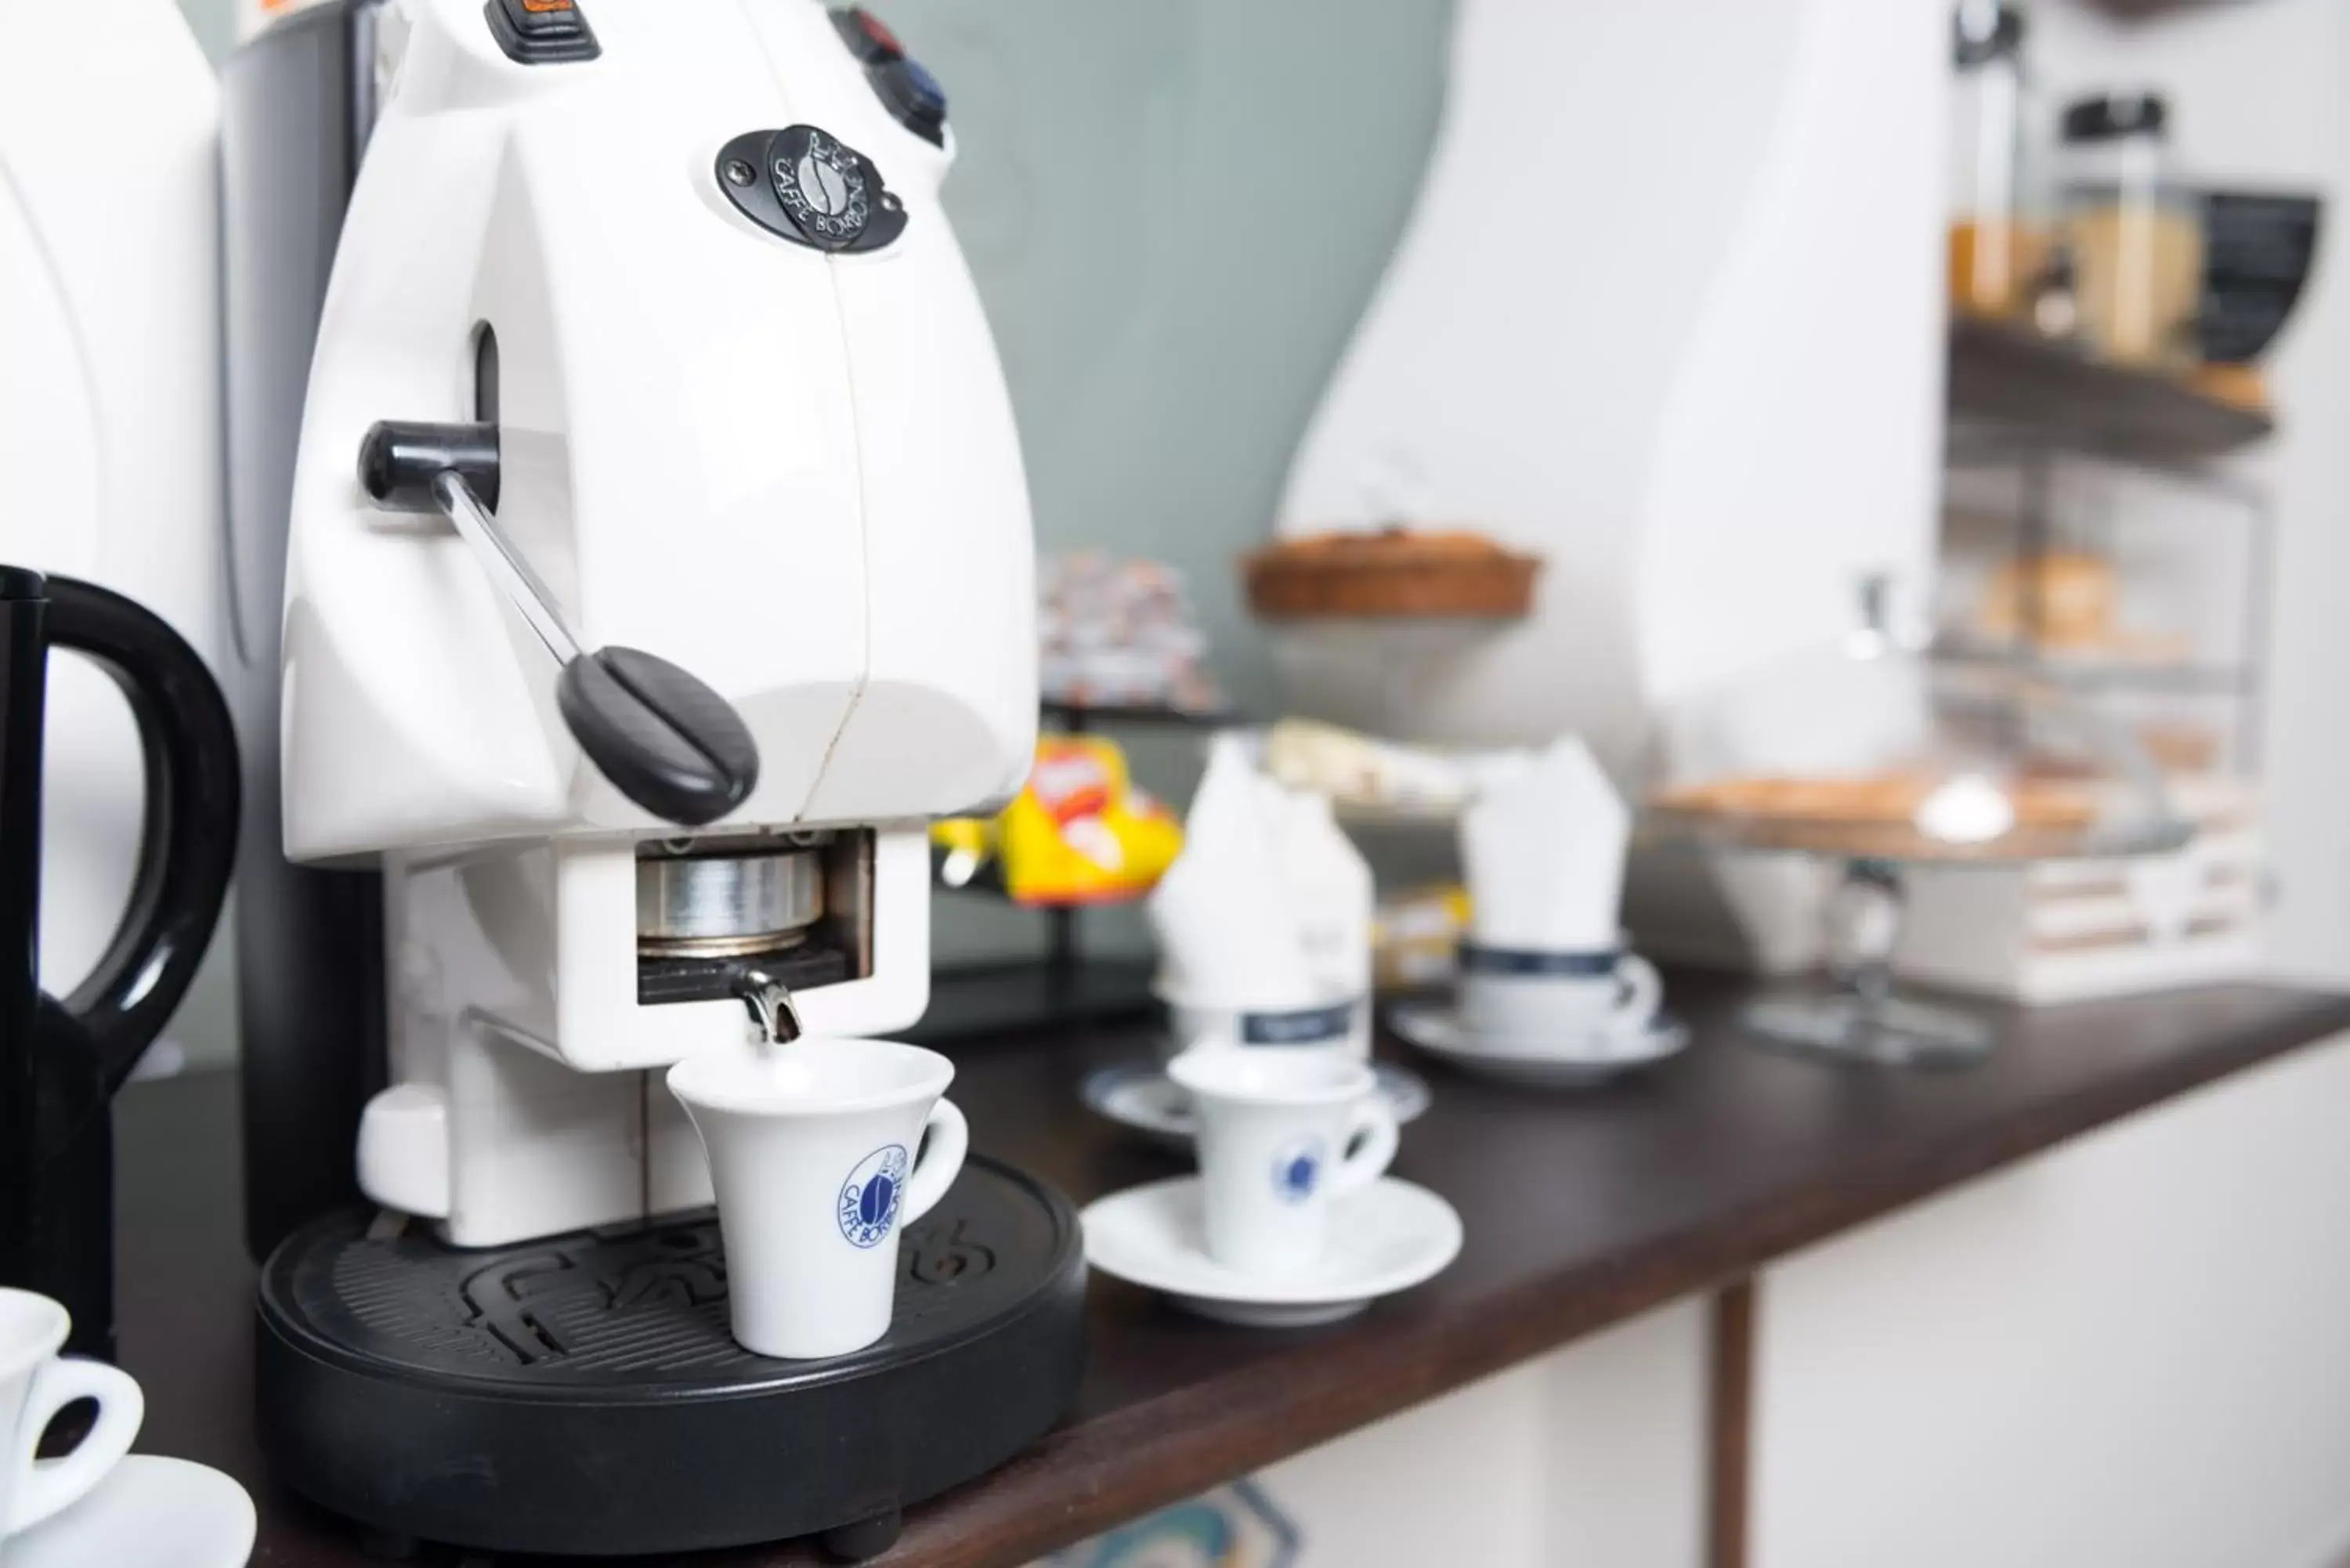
537, 6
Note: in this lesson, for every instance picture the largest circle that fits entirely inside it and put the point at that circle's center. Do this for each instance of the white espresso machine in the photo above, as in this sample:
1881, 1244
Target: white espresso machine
656, 563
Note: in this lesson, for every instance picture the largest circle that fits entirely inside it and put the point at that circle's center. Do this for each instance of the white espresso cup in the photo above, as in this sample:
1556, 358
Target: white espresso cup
35, 1384
816, 1151
1281, 1134
1530, 1002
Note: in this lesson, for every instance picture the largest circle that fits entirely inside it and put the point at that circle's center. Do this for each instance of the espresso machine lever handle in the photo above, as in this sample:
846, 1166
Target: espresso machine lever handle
524, 589
662, 736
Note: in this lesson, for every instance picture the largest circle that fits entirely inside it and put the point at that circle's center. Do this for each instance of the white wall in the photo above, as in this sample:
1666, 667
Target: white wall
2134, 1351
1589, 1457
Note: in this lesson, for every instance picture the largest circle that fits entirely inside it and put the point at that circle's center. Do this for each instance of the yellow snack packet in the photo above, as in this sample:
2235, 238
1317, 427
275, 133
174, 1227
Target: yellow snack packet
1081, 832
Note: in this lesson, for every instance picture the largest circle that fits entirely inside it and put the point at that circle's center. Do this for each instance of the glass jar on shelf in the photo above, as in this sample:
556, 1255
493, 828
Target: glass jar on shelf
2130, 231
1997, 244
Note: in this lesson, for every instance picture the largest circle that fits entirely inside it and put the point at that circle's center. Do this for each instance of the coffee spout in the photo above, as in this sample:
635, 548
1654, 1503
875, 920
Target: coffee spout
773, 1012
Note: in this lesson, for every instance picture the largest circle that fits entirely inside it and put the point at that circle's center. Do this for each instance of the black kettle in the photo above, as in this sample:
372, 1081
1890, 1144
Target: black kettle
61, 1061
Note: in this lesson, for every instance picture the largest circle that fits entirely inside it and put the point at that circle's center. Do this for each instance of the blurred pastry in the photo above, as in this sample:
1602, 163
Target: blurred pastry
1392, 573
2181, 748
1359, 769
2071, 597
1873, 799
1114, 632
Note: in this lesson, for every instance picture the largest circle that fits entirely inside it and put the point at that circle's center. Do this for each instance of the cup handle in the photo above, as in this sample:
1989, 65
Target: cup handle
1374, 1125
54, 1484
946, 1138
1644, 989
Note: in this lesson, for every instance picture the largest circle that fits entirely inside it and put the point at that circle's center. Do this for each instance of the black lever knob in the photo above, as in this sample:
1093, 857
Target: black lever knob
665, 740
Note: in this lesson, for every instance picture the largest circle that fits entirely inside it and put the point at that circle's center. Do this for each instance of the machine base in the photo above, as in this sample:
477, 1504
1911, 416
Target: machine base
581, 1395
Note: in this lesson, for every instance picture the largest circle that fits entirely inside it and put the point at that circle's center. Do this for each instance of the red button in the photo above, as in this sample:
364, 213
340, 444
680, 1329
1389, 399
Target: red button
879, 31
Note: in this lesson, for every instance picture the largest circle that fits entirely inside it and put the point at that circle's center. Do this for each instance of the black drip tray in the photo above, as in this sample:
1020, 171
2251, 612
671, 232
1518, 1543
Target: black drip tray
581, 1394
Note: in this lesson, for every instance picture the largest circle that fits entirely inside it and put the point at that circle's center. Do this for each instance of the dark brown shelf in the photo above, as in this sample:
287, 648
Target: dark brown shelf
1083, 716
2139, 10
1581, 1211
2185, 676
2060, 399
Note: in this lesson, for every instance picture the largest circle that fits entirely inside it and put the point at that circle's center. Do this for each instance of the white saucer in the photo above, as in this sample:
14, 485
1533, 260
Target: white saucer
149, 1512
1386, 1238
1142, 1096
1436, 1028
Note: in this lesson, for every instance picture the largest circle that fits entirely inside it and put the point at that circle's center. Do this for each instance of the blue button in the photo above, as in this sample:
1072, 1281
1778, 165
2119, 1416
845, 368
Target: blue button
927, 86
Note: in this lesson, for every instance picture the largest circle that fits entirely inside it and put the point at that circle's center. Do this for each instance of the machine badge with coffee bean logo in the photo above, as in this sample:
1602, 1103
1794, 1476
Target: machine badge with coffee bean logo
811, 188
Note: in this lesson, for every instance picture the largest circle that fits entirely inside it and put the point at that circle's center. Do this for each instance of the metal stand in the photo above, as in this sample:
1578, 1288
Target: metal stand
1865, 1020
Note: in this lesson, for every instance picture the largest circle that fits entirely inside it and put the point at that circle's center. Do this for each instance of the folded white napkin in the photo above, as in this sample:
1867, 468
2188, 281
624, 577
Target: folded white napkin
1543, 847
1326, 884
1226, 934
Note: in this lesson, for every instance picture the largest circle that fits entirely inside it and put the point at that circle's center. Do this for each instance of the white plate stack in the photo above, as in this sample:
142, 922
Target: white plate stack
2068, 931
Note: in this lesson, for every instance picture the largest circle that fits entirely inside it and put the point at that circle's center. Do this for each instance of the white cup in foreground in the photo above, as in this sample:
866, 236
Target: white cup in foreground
1524, 1002
35, 1384
816, 1153
1344, 1027
1281, 1134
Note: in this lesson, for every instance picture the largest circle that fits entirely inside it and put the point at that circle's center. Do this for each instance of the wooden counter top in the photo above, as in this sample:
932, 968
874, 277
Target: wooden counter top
1582, 1209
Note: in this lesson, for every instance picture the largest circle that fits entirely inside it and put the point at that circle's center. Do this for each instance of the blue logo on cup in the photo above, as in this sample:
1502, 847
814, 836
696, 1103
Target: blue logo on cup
869, 1198
1297, 1171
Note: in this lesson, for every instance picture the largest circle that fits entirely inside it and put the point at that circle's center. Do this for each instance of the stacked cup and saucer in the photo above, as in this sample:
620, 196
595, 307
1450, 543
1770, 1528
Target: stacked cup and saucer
1264, 926
1548, 995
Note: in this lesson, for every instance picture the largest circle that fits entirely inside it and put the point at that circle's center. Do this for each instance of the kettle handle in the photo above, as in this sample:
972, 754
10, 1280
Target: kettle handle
187, 842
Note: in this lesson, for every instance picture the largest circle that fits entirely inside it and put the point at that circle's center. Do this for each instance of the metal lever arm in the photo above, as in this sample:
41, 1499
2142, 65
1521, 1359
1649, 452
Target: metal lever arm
665, 740
529, 596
